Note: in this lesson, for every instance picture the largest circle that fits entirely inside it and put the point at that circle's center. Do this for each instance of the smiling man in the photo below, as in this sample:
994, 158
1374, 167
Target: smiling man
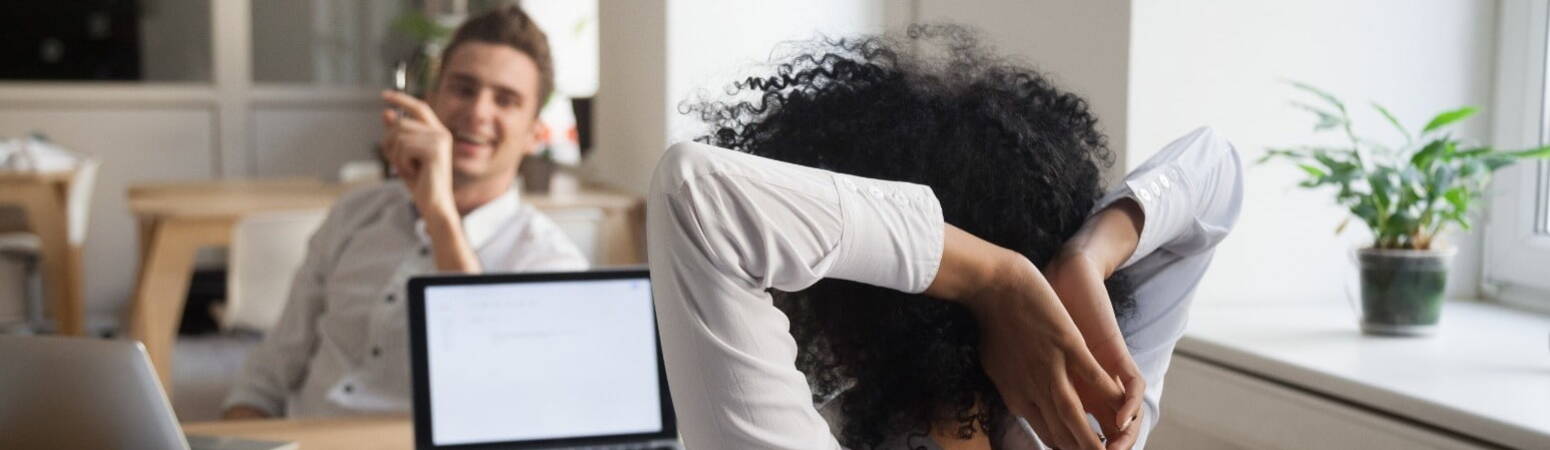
341, 346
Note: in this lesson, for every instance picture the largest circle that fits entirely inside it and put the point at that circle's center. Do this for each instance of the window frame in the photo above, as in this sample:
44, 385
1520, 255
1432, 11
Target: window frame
1516, 263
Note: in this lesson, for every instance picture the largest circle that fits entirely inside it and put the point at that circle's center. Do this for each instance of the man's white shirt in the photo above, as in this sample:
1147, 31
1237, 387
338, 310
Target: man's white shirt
723, 227
342, 345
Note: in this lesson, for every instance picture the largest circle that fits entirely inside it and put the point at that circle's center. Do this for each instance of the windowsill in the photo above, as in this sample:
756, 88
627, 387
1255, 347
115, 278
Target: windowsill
1485, 374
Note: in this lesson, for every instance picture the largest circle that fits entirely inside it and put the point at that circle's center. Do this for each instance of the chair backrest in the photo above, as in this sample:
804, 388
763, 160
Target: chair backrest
78, 200
582, 226
360, 171
266, 250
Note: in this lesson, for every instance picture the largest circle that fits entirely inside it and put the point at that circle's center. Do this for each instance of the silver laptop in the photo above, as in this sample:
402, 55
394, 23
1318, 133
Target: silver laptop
549, 360
60, 392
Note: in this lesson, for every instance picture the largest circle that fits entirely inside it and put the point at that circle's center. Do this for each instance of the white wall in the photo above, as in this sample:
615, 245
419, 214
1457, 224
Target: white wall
1155, 69
1083, 46
631, 93
311, 140
712, 44
657, 53
1220, 63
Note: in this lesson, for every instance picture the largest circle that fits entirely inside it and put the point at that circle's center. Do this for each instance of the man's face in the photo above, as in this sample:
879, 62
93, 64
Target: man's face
488, 99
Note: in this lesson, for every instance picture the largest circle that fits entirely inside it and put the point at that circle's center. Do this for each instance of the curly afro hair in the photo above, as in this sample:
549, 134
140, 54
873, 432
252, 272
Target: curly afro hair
1011, 158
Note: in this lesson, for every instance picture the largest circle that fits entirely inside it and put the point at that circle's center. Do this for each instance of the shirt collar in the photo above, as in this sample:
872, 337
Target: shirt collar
483, 222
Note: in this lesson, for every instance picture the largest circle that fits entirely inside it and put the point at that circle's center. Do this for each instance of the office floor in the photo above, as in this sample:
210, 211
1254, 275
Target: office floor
204, 368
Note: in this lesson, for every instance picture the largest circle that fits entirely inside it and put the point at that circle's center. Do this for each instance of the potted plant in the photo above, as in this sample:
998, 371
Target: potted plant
1407, 195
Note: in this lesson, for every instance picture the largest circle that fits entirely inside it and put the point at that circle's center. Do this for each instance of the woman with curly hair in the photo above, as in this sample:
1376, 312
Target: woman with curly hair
908, 242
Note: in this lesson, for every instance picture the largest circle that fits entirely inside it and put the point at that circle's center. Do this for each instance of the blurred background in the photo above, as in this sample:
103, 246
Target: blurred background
195, 90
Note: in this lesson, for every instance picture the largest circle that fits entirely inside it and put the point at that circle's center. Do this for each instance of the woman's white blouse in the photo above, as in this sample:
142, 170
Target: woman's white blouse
724, 227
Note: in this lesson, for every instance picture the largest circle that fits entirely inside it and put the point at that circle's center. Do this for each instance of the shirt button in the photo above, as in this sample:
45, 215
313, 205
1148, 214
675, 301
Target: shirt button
424, 251
390, 298
376, 351
349, 388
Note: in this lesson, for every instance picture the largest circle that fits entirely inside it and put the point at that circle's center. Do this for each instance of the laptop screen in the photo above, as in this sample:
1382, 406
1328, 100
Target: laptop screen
540, 360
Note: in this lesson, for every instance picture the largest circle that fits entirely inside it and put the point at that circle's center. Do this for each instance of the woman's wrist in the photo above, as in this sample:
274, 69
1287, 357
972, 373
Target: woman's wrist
1007, 271
1107, 239
970, 265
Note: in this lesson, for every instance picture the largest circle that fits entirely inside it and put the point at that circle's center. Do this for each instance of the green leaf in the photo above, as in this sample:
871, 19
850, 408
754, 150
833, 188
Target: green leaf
1327, 120
1381, 187
1414, 186
1462, 220
1433, 150
1448, 117
1441, 179
1320, 93
1314, 172
1472, 167
420, 27
1466, 154
1533, 153
1323, 157
1366, 210
1273, 153
1459, 198
1392, 120
1497, 161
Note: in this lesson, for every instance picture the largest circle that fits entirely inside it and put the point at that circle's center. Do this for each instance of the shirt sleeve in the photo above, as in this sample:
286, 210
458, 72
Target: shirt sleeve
1190, 193
279, 362
723, 227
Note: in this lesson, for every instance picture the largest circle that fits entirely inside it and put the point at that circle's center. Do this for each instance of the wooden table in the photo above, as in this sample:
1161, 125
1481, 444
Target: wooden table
384, 433
176, 219
42, 197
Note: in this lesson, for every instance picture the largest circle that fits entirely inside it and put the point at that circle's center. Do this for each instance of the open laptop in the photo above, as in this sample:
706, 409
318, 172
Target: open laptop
62, 392
545, 360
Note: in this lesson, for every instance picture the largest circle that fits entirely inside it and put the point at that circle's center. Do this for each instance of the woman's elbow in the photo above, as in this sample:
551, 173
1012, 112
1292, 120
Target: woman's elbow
678, 166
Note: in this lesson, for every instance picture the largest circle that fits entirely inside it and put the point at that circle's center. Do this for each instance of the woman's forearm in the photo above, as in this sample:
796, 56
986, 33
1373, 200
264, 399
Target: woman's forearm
1109, 238
968, 265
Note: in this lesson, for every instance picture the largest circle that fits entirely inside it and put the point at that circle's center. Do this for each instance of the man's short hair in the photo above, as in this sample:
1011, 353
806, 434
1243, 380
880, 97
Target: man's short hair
510, 26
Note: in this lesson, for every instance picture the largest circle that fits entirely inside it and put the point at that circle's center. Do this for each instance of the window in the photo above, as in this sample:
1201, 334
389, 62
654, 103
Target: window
106, 40
1544, 193
326, 42
1517, 252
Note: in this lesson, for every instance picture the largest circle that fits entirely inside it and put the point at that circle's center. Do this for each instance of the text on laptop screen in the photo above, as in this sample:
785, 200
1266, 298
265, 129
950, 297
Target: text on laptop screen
541, 360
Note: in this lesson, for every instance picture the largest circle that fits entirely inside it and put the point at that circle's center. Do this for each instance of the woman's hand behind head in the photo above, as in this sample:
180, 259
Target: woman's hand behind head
1038, 360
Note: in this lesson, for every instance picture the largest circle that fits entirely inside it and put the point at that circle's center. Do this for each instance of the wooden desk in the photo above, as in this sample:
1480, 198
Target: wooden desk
384, 433
42, 197
176, 219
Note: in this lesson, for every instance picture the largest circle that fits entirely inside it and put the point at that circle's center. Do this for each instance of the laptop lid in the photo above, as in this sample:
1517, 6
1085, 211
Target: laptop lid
62, 392
537, 360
